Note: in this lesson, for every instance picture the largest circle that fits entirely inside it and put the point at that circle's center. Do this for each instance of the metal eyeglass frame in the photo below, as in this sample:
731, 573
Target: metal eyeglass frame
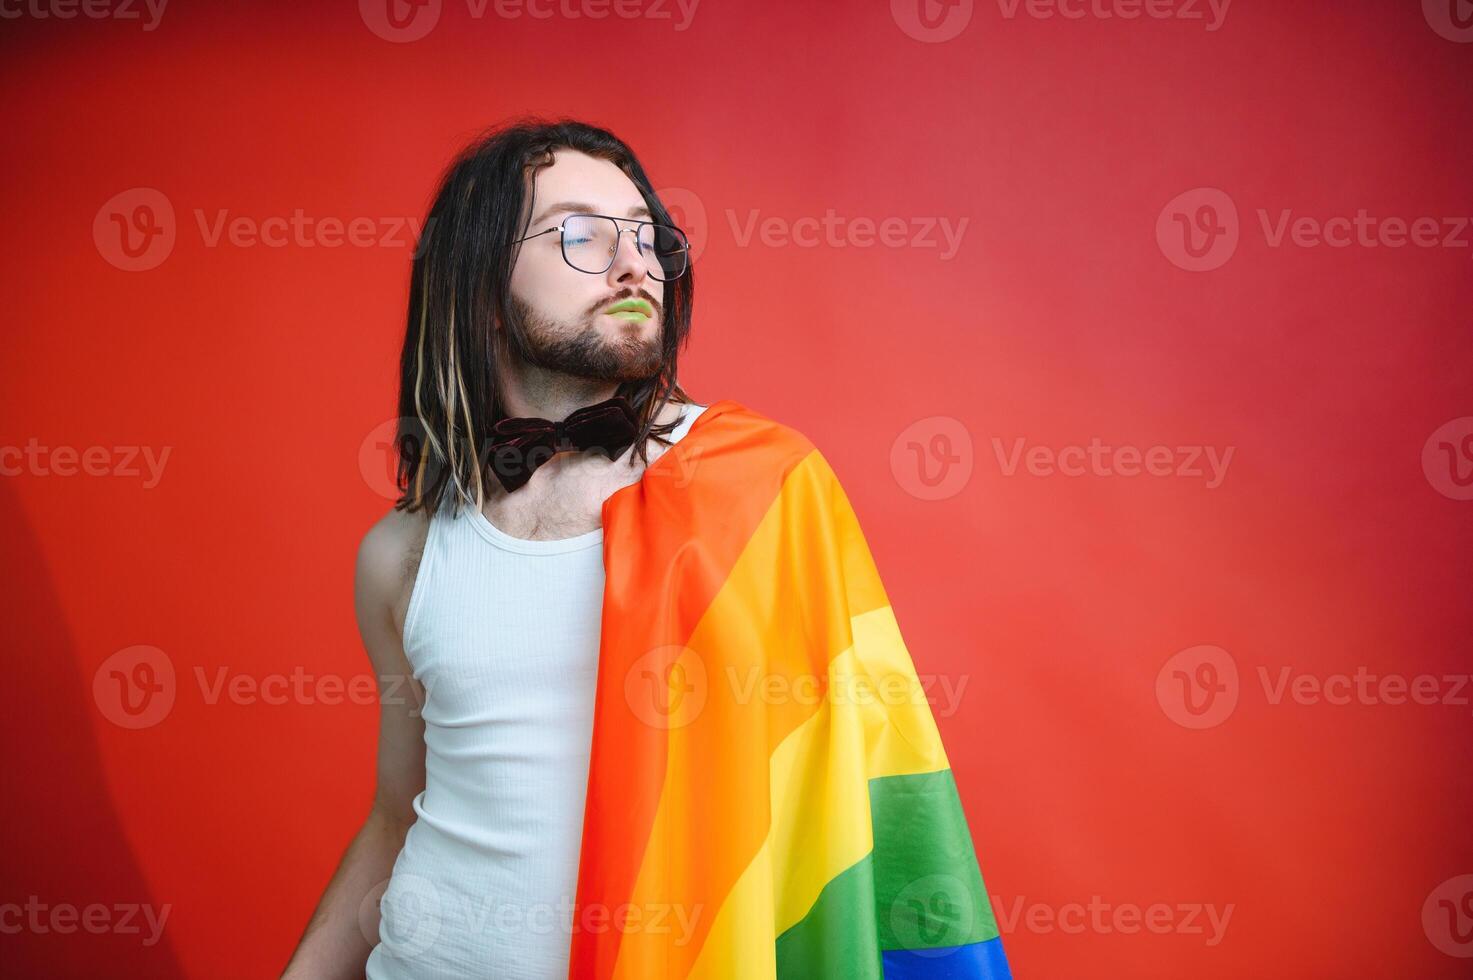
684, 242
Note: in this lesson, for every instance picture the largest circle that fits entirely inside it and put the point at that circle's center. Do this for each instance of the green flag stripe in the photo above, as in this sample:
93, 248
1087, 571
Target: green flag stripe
830, 941
928, 887
919, 888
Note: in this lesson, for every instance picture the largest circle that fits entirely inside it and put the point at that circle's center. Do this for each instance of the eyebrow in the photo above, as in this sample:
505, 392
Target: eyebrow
640, 211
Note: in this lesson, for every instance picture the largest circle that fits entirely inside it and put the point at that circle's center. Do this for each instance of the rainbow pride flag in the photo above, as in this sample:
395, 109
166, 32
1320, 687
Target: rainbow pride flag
768, 796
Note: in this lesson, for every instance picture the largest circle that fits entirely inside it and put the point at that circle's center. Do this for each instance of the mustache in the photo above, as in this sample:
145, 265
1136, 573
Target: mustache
629, 294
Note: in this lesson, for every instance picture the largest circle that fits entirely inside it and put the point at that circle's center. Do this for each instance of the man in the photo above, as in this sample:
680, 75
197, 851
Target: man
578, 788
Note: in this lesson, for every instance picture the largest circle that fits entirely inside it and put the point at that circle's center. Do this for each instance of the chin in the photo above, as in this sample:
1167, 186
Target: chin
638, 368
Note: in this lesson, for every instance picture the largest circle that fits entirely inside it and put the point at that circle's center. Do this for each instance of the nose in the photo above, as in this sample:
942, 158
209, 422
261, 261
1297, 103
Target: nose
628, 264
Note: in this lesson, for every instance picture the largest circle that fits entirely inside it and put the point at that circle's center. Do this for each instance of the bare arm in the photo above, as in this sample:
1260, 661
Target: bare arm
344, 928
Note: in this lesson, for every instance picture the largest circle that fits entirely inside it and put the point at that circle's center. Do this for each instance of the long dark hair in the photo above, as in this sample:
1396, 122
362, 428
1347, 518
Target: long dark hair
460, 285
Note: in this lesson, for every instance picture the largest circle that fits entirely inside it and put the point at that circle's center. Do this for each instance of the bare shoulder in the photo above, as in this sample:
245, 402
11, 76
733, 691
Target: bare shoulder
388, 561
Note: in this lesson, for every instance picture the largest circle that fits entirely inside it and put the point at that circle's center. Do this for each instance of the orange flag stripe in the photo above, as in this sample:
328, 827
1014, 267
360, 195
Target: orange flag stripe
687, 521
782, 616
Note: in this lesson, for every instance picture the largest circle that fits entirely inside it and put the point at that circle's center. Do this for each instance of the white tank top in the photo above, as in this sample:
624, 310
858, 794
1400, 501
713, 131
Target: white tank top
503, 633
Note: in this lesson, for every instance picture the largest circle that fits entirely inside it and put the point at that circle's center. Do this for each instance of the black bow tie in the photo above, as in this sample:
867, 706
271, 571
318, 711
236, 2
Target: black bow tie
519, 445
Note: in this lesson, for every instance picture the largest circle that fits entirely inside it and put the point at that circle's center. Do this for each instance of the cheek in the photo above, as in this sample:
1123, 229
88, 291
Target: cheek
560, 294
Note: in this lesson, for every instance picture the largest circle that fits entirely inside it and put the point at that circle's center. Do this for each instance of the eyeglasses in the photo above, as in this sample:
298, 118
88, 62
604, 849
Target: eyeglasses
590, 242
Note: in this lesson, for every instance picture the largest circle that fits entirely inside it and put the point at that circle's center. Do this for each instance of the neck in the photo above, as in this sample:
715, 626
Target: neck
554, 404
531, 391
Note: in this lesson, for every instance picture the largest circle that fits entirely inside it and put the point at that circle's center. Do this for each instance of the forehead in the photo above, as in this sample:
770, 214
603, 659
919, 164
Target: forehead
578, 177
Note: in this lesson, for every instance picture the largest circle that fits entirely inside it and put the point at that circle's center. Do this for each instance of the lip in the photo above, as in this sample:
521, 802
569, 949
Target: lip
629, 306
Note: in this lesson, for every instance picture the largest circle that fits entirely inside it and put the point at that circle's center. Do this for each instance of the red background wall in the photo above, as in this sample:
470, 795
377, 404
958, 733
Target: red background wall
1329, 833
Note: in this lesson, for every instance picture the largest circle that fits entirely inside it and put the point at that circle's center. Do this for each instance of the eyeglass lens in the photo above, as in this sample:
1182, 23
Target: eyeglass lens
589, 242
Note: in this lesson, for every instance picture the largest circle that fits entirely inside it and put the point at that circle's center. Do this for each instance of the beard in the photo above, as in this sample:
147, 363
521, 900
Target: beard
583, 351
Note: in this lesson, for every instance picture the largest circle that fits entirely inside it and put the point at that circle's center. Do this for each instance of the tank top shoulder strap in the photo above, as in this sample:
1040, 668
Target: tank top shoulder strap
442, 527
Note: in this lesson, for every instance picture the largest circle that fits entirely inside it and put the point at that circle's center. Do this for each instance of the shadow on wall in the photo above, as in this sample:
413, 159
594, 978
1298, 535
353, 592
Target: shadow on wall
63, 847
